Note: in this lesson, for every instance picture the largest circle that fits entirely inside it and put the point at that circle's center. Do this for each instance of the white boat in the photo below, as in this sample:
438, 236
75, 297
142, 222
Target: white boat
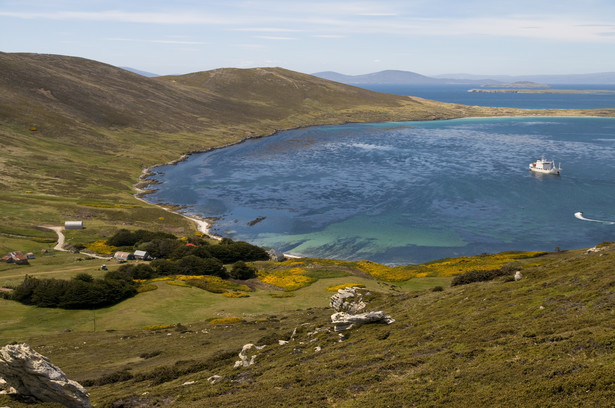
545, 166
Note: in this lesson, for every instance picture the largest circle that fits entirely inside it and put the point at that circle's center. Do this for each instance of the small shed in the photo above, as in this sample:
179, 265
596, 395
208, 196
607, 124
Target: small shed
276, 256
73, 225
123, 256
142, 255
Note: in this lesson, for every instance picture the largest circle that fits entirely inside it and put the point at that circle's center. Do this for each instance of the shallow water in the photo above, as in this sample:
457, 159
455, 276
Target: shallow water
408, 192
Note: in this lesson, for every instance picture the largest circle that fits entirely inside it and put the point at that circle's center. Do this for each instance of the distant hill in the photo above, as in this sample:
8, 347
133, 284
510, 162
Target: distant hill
382, 77
143, 73
601, 78
395, 77
392, 77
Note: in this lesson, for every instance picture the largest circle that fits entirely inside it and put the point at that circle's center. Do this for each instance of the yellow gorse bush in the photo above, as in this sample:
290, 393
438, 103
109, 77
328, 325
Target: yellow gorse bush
178, 283
226, 320
287, 279
462, 264
101, 247
345, 285
163, 278
235, 295
387, 273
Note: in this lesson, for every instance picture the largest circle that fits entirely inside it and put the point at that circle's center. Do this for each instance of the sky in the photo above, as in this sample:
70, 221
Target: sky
430, 37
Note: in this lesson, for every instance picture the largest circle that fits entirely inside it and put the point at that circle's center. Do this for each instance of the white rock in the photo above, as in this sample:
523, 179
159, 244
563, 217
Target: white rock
344, 321
214, 379
348, 300
32, 374
245, 360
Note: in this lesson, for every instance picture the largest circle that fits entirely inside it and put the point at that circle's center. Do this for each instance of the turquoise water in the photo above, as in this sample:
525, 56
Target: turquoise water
407, 192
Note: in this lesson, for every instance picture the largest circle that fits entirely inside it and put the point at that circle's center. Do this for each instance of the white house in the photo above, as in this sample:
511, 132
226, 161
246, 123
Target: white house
73, 225
142, 255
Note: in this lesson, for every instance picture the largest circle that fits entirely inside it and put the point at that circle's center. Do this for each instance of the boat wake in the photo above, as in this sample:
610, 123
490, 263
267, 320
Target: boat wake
579, 215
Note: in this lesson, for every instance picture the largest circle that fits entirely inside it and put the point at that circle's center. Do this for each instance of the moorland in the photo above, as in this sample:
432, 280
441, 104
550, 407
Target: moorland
76, 136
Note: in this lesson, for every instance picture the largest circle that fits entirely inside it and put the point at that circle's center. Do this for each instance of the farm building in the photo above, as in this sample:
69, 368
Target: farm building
143, 255
73, 225
16, 257
123, 256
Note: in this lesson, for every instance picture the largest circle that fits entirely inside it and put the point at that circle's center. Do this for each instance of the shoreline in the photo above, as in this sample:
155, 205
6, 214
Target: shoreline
202, 225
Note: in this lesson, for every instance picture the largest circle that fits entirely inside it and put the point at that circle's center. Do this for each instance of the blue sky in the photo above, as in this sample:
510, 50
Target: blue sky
430, 37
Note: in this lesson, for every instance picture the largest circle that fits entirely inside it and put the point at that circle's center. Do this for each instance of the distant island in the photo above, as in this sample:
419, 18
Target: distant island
543, 91
518, 84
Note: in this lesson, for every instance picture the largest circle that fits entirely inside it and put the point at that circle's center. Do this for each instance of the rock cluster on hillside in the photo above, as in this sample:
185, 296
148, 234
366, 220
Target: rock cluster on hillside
347, 303
32, 374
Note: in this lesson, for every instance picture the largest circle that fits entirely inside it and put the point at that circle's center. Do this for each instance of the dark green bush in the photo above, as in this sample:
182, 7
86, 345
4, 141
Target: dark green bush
76, 293
478, 276
125, 237
242, 271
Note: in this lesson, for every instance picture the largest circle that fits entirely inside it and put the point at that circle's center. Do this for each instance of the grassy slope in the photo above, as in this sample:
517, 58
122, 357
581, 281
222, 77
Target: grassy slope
546, 340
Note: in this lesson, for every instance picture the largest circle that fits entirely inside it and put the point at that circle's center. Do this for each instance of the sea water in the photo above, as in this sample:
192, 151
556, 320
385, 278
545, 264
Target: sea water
407, 192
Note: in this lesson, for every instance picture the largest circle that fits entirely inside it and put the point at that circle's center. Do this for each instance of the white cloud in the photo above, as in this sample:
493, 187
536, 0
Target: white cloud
332, 36
268, 30
174, 42
275, 38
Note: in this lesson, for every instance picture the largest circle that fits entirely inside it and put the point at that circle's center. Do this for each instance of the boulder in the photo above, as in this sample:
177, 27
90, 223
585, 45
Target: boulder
32, 374
348, 300
344, 321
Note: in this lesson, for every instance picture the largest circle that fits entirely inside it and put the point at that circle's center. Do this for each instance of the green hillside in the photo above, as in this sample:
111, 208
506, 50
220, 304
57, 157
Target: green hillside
544, 341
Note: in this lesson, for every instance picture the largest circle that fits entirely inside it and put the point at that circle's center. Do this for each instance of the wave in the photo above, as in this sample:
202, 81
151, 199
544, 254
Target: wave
579, 215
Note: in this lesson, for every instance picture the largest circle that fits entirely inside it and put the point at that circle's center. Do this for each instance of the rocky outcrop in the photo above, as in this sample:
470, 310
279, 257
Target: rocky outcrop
344, 321
348, 300
32, 374
347, 303
247, 355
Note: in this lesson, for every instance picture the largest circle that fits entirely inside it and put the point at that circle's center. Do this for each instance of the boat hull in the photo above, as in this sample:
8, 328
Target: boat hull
541, 171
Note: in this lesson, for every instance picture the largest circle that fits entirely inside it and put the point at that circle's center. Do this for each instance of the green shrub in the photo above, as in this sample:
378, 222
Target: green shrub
478, 276
241, 270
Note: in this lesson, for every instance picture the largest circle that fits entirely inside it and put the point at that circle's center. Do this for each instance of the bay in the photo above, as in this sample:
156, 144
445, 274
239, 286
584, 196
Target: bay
407, 192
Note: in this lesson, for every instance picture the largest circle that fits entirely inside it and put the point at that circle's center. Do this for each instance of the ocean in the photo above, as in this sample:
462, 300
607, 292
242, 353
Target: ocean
409, 192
